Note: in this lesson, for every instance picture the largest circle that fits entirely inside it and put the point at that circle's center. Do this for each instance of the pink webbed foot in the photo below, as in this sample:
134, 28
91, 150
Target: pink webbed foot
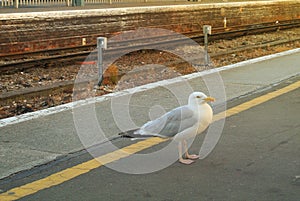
192, 156
186, 161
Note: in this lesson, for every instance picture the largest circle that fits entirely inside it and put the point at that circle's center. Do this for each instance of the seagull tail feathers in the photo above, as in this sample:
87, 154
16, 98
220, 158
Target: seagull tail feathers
128, 134
133, 134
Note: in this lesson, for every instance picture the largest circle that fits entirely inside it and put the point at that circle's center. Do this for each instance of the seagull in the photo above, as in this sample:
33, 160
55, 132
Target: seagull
181, 123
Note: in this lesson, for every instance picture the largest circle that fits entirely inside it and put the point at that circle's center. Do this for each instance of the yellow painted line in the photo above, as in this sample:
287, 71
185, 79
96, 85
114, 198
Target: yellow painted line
256, 101
75, 171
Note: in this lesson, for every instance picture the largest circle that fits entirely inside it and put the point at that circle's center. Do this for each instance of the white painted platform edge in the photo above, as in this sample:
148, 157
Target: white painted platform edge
69, 106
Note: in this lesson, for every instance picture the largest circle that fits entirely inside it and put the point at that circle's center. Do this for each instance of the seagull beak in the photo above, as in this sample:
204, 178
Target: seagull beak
209, 99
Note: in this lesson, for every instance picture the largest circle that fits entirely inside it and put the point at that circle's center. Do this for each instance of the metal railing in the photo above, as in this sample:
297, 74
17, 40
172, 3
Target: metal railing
104, 1
6, 3
26, 3
32, 3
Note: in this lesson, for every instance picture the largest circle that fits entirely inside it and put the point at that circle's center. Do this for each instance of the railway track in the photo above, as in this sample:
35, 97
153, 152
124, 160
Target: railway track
69, 56
67, 86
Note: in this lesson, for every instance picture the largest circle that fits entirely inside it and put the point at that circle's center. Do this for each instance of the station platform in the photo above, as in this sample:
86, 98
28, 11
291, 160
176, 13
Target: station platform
40, 137
50, 28
115, 5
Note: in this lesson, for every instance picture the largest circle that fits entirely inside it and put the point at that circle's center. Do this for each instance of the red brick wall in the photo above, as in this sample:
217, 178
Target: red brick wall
40, 33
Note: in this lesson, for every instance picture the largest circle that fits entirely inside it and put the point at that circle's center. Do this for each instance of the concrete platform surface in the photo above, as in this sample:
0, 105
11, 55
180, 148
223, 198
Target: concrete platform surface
37, 138
257, 158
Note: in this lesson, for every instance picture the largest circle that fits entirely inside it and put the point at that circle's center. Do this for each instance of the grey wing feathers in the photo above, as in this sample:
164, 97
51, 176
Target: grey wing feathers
171, 123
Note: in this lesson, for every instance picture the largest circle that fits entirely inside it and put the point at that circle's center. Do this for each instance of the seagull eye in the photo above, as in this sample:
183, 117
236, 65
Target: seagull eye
198, 96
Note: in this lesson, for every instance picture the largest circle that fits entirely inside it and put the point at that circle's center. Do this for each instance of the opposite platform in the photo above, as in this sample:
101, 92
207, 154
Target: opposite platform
27, 32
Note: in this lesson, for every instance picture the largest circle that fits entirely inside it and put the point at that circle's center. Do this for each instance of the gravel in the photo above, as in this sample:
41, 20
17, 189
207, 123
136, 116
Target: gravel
137, 67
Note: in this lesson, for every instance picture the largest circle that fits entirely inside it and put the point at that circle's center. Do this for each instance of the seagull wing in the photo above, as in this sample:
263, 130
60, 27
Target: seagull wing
171, 123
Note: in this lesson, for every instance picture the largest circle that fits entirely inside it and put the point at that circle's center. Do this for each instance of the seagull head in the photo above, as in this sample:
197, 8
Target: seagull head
200, 98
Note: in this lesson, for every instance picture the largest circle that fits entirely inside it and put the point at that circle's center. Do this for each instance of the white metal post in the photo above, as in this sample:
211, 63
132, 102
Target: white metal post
206, 31
16, 3
101, 44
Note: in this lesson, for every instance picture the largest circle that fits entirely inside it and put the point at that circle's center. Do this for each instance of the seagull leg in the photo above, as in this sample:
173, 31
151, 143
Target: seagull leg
181, 160
187, 155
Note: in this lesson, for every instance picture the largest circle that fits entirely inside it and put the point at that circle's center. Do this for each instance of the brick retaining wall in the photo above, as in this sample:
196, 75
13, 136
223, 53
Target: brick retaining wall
22, 32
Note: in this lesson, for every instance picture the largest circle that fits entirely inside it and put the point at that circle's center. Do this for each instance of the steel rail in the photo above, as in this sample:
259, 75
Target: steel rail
68, 85
73, 57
